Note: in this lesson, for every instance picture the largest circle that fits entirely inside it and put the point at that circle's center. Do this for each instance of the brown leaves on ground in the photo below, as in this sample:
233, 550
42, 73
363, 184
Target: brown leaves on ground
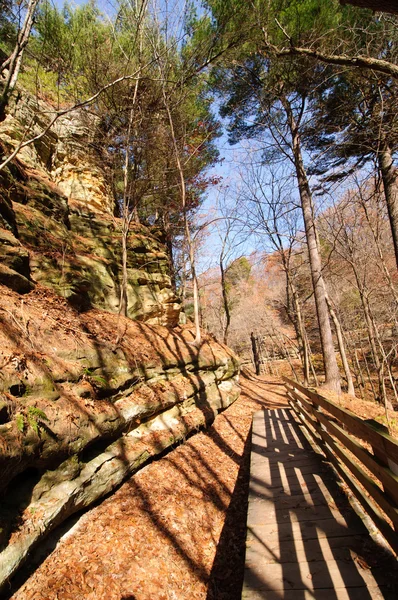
175, 530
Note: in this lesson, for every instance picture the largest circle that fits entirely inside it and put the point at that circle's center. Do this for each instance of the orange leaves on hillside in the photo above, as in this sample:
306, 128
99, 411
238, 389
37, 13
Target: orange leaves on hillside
158, 536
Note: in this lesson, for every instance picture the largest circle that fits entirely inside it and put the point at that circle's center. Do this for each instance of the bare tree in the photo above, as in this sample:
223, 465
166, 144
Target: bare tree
12, 65
271, 210
346, 228
129, 204
230, 231
332, 376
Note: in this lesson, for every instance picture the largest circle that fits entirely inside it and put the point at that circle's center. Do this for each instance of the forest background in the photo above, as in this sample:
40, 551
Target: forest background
285, 245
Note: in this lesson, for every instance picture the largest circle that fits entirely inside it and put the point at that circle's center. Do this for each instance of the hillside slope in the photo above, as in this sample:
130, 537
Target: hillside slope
86, 396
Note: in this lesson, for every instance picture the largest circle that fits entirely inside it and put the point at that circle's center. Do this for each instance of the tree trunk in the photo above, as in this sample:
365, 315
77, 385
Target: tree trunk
301, 339
332, 375
307, 343
126, 216
368, 319
343, 354
225, 302
376, 238
389, 174
286, 352
13, 63
123, 308
350, 344
170, 254
263, 347
374, 338
296, 318
191, 252
360, 379
256, 355
389, 6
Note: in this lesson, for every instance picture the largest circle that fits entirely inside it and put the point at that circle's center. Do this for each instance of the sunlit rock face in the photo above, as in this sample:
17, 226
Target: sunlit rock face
63, 154
57, 205
27, 117
75, 172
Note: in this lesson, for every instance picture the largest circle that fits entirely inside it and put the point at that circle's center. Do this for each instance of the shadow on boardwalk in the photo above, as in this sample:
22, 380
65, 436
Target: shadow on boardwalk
303, 539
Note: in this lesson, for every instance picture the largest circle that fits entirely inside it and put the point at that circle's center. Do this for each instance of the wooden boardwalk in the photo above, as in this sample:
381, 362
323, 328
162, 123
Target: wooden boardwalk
304, 541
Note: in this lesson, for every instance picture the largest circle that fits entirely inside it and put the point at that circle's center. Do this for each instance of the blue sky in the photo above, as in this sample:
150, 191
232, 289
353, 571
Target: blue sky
231, 157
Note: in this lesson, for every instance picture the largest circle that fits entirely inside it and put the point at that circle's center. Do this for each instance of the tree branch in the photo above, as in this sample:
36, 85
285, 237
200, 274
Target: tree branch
360, 62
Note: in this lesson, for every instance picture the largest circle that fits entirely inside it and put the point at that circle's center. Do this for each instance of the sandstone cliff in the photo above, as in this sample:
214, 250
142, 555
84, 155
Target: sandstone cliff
86, 396
56, 202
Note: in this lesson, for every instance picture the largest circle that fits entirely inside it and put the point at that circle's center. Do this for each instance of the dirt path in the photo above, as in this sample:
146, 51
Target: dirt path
175, 530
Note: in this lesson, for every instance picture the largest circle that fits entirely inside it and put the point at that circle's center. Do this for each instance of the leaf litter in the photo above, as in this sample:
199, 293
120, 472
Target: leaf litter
173, 531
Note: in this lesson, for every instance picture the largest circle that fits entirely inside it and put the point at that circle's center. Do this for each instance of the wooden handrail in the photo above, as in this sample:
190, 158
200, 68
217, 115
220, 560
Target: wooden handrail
365, 430
335, 430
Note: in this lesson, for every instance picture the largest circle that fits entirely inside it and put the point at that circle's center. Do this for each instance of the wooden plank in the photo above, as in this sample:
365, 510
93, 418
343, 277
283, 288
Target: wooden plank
280, 513
301, 399
303, 543
305, 419
357, 426
374, 490
314, 529
317, 576
382, 457
267, 551
257, 593
376, 465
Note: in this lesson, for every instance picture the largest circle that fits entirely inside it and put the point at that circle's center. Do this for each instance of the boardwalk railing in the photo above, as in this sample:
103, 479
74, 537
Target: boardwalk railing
362, 452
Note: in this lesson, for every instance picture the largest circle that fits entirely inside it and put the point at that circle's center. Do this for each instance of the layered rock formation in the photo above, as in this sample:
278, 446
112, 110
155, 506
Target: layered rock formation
86, 396
80, 410
63, 154
55, 200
